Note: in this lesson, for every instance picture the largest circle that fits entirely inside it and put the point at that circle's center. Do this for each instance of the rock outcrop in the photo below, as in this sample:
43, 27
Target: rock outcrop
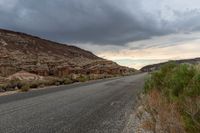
22, 52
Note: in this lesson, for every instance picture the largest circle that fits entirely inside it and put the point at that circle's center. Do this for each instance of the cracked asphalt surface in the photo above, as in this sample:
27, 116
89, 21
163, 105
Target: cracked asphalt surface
100, 106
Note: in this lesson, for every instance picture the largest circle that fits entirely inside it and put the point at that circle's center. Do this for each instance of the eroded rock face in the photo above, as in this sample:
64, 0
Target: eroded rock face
19, 51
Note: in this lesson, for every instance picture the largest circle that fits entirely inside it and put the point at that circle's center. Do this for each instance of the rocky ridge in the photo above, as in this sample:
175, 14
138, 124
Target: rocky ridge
22, 52
153, 67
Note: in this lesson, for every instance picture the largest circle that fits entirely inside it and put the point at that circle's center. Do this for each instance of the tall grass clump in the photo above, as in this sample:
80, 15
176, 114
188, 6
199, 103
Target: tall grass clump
179, 84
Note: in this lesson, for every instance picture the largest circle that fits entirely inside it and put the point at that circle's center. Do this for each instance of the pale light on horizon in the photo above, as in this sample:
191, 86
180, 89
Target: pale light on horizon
174, 47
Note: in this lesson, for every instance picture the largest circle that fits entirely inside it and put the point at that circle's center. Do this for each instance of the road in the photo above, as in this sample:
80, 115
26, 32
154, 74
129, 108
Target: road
100, 106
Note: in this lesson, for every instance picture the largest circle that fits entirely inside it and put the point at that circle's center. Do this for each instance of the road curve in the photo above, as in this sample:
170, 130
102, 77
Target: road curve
94, 107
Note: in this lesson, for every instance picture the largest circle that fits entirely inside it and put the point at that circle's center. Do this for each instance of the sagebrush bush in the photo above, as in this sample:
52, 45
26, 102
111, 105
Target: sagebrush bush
175, 80
36, 84
67, 81
82, 78
25, 88
3, 87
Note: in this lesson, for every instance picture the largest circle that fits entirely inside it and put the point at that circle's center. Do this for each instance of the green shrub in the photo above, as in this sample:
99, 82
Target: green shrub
51, 82
193, 89
82, 78
34, 85
3, 87
67, 81
159, 78
25, 88
175, 80
63, 81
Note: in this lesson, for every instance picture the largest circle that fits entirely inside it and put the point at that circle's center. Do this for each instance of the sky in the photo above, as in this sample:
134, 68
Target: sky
133, 33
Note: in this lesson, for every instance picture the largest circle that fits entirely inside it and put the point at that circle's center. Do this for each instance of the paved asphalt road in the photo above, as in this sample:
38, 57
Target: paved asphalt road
95, 107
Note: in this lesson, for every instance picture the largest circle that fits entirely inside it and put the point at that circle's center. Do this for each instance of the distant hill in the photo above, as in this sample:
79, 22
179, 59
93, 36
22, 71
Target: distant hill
22, 52
153, 67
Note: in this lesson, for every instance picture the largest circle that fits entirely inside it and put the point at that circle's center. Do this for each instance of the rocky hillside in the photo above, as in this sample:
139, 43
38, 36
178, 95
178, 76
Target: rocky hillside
22, 52
153, 67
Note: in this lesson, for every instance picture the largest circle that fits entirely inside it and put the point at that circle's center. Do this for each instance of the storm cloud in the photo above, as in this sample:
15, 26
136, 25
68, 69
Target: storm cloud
102, 22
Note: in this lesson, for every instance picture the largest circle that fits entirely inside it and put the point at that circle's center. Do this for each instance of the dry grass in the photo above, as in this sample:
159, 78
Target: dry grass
166, 117
148, 125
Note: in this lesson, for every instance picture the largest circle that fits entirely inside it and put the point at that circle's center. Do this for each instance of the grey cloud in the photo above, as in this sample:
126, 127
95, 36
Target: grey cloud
114, 22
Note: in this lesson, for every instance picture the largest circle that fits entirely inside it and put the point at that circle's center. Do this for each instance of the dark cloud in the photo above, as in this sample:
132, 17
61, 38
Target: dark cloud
95, 21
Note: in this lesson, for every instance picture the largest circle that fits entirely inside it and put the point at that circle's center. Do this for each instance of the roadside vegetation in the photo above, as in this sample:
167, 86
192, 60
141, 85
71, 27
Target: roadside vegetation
173, 98
26, 85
